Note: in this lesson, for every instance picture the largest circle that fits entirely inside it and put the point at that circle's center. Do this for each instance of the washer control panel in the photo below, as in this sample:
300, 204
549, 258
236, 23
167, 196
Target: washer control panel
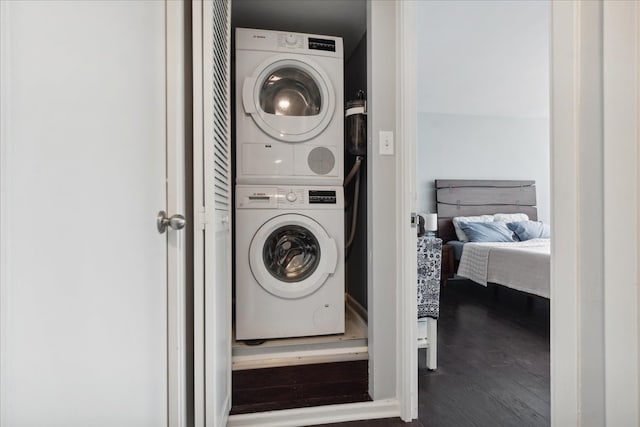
291, 197
322, 197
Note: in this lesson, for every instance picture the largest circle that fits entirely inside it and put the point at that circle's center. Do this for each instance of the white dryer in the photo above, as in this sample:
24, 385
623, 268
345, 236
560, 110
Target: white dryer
289, 108
289, 261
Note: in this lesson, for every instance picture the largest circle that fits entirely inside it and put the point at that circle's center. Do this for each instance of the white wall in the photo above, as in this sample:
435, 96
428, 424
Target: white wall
456, 146
381, 211
83, 270
483, 94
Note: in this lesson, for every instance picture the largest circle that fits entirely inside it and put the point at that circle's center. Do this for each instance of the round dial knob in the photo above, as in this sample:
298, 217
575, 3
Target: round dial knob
291, 40
291, 196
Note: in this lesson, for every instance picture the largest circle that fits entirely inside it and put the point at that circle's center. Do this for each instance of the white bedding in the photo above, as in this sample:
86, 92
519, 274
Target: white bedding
524, 266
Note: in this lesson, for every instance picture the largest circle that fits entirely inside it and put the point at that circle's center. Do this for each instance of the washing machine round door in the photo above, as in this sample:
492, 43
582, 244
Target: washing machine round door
289, 97
292, 255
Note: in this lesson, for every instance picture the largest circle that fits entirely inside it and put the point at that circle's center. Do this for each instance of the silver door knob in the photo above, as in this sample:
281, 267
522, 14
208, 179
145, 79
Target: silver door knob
177, 222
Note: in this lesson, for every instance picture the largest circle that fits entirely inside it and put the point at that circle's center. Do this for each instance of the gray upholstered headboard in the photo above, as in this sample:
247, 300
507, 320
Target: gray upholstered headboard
464, 197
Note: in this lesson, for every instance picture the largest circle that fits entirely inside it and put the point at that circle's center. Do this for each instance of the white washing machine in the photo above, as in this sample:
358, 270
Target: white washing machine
289, 108
289, 261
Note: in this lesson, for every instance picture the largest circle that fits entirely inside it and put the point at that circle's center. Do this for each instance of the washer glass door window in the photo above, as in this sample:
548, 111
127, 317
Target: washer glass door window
292, 255
289, 98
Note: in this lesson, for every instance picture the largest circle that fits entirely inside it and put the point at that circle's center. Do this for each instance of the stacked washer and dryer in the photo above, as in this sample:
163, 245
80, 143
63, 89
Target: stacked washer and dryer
289, 195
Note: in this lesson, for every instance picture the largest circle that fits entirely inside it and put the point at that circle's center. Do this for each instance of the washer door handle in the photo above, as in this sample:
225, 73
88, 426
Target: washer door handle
332, 257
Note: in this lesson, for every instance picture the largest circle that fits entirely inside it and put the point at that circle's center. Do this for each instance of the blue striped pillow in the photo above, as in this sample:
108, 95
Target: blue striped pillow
527, 230
496, 231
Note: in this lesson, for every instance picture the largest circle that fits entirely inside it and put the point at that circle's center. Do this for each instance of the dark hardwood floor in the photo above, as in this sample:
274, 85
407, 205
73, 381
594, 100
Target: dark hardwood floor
493, 362
258, 390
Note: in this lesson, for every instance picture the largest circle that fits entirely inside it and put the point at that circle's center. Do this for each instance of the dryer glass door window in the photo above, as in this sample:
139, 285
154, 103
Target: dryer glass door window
291, 253
290, 98
290, 91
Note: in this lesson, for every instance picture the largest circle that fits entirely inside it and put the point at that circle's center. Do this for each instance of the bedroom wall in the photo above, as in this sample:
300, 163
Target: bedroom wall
483, 94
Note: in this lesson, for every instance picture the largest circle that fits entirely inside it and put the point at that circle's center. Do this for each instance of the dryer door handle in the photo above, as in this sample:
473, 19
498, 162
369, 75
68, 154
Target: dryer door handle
247, 95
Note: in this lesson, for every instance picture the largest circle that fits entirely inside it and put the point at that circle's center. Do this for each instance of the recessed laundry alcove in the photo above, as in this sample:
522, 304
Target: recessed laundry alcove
277, 361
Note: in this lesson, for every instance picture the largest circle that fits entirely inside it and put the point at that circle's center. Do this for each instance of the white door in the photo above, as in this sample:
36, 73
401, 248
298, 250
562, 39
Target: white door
212, 204
84, 271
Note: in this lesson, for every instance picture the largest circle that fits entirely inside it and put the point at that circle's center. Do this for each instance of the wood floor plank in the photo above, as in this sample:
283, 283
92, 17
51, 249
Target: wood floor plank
268, 389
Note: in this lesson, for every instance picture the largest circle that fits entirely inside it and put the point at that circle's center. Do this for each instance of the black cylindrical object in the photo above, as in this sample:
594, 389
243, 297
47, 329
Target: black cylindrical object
356, 126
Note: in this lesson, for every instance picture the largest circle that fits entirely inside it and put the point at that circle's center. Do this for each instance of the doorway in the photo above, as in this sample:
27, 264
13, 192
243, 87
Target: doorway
483, 102
577, 103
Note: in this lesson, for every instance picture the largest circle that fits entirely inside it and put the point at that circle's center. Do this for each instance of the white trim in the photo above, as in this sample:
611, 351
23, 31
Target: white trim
382, 287
406, 122
4, 188
199, 214
300, 357
318, 414
369, 212
620, 35
176, 250
565, 104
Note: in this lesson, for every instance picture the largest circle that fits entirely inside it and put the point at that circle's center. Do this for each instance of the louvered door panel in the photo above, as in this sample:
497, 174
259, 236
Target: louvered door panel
221, 105
212, 203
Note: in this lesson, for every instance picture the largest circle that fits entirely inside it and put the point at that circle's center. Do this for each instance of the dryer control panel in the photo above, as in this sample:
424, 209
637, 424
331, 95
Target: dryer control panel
278, 41
322, 44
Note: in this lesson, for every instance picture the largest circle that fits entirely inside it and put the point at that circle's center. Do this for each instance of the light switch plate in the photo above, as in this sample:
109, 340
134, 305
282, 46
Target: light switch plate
386, 143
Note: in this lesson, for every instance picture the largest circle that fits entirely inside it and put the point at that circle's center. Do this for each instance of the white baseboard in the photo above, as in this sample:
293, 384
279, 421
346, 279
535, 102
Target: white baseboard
319, 414
300, 357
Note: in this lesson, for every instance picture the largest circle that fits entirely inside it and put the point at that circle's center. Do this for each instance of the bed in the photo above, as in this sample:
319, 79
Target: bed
520, 265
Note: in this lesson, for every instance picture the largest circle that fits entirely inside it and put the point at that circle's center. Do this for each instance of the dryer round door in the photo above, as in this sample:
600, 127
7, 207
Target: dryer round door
292, 255
290, 98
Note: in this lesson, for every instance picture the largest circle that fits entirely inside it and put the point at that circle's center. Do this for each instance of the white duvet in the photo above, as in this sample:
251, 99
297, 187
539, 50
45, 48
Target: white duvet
524, 266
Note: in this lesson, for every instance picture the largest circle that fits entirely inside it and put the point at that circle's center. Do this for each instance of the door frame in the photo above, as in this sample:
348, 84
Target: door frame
395, 333
177, 351
621, 141
406, 199
620, 34
575, 104
4, 228
199, 400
